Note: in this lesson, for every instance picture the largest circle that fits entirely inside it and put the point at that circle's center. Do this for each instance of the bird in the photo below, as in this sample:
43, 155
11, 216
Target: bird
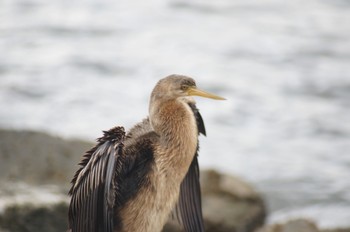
134, 181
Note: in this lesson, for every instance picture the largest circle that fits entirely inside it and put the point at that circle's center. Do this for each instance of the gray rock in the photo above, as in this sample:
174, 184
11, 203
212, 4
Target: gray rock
35, 158
298, 225
336, 230
30, 218
38, 158
230, 204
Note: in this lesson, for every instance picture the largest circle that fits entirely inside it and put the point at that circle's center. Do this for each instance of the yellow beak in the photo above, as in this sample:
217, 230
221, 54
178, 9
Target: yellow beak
192, 91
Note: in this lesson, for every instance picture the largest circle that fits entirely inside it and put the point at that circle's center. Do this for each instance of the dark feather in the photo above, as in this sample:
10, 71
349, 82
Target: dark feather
199, 119
190, 202
136, 168
110, 175
93, 190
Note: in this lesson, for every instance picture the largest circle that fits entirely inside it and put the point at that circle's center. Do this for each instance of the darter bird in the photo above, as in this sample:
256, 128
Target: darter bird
132, 182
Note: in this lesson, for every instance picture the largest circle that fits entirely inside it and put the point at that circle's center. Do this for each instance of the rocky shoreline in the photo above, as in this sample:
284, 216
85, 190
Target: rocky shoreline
35, 172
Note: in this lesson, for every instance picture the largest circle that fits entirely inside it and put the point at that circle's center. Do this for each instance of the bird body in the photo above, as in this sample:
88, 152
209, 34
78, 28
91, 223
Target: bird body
132, 182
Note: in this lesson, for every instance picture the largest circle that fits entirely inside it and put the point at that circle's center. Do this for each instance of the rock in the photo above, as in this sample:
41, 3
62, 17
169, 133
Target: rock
30, 218
36, 159
224, 209
297, 225
300, 225
31, 160
336, 230
229, 204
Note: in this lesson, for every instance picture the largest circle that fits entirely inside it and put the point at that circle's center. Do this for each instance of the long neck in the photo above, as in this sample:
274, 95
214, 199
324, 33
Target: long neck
174, 122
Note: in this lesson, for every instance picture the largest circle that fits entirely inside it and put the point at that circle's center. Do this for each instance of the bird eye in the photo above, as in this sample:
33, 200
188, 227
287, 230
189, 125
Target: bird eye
184, 87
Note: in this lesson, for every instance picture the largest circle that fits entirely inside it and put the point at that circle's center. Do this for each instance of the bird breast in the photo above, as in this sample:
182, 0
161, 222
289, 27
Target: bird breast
176, 126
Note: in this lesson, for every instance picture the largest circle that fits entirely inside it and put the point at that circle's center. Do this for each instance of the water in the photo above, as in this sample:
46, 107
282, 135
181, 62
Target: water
74, 68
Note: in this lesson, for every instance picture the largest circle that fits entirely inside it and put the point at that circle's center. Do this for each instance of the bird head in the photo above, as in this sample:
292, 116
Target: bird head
176, 86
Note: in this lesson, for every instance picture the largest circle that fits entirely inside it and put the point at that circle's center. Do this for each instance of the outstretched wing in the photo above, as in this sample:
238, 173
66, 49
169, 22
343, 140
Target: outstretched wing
189, 207
93, 188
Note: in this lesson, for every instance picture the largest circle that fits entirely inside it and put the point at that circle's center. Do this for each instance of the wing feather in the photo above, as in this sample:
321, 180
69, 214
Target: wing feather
93, 189
190, 203
199, 119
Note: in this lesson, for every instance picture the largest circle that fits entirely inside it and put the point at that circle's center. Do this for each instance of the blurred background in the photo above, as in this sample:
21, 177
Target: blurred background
74, 68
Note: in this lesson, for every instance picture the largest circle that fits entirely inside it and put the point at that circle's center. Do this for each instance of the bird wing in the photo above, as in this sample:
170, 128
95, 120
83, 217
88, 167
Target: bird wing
93, 188
199, 119
189, 207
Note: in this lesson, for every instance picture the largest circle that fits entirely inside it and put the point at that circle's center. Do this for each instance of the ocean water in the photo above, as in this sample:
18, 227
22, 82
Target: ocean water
74, 68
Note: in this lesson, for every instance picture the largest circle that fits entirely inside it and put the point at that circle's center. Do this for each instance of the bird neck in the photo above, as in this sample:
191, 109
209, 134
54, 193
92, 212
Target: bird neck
174, 122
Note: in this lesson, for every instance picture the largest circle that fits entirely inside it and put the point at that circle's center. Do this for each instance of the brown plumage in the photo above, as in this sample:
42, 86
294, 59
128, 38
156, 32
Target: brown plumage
132, 182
